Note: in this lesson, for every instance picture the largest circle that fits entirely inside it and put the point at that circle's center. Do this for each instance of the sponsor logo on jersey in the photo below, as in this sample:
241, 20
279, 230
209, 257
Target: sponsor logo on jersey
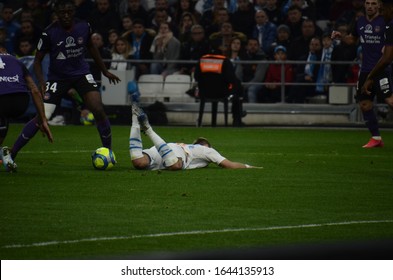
369, 29
9, 79
61, 56
70, 42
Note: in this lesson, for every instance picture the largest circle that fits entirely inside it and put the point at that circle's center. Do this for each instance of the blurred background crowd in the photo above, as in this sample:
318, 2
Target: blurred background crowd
184, 30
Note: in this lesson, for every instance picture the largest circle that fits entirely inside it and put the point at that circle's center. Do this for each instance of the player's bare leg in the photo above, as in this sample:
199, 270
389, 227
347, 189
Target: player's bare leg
94, 104
371, 121
166, 153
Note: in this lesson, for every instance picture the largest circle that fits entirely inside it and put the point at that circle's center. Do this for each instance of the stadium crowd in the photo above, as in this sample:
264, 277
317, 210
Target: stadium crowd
294, 30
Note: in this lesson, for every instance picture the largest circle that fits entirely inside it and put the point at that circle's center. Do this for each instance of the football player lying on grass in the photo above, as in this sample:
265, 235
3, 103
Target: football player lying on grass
171, 156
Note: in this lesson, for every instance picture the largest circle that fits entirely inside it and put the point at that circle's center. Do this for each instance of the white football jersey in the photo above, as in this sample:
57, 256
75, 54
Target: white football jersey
193, 156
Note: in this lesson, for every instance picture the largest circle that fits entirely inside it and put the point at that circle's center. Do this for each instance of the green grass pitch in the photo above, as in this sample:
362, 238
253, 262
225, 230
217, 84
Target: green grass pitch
316, 186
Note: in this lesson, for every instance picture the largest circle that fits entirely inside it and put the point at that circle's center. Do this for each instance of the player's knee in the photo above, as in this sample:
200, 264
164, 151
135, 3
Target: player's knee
365, 105
389, 101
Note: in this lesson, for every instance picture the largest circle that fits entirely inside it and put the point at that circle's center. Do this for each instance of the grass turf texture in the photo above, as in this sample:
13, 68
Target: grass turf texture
309, 177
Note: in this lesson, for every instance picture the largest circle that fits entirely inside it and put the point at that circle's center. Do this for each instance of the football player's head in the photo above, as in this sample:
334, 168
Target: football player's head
202, 141
65, 11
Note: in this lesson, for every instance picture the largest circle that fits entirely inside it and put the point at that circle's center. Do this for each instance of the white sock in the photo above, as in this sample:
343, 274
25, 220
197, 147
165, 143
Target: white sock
135, 140
377, 138
162, 147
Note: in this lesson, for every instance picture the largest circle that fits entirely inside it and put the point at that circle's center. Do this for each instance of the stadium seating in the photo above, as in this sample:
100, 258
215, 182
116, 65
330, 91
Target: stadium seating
150, 87
175, 87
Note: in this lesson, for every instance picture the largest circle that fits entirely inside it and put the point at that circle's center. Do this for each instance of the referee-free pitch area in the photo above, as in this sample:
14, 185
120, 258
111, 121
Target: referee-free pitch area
317, 186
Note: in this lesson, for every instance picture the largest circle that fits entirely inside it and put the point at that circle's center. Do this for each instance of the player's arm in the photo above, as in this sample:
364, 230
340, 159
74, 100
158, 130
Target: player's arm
37, 100
384, 61
234, 165
37, 67
95, 54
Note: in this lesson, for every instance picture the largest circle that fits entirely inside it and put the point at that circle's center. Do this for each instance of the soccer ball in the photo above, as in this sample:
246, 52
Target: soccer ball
87, 119
103, 159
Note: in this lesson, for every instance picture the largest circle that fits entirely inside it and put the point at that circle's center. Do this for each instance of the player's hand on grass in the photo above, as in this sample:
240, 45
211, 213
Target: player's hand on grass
44, 127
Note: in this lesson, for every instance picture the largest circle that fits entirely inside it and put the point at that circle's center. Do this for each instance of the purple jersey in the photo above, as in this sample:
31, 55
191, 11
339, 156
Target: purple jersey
67, 50
372, 39
12, 75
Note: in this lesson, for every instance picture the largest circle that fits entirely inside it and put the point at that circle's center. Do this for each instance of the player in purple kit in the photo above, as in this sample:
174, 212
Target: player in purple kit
16, 83
387, 56
370, 29
66, 41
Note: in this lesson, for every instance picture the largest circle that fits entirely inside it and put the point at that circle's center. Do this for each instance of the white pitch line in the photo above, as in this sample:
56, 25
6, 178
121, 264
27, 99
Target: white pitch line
195, 232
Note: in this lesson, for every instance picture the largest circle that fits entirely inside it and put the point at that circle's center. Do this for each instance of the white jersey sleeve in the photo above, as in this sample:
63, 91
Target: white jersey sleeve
199, 156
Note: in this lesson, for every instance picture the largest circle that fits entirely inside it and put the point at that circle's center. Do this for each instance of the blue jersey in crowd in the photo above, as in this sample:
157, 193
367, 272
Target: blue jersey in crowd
12, 75
372, 39
67, 50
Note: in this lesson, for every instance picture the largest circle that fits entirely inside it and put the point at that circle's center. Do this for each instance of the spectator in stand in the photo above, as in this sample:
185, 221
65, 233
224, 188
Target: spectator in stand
254, 74
294, 21
159, 6
345, 50
126, 23
26, 15
354, 69
264, 30
307, 7
165, 47
120, 53
28, 30
260, 4
283, 39
234, 54
140, 40
11, 27
182, 7
84, 8
273, 12
306, 73
271, 93
243, 19
134, 9
160, 16
106, 55
38, 11
212, 19
221, 41
184, 31
349, 15
221, 16
325, 69
113, 35
24, 48
299, 45
336, 9
104, 18
194, 49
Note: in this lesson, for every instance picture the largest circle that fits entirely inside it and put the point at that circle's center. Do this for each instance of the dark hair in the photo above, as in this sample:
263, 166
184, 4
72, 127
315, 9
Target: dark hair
60, 3
138, 21
202, 141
